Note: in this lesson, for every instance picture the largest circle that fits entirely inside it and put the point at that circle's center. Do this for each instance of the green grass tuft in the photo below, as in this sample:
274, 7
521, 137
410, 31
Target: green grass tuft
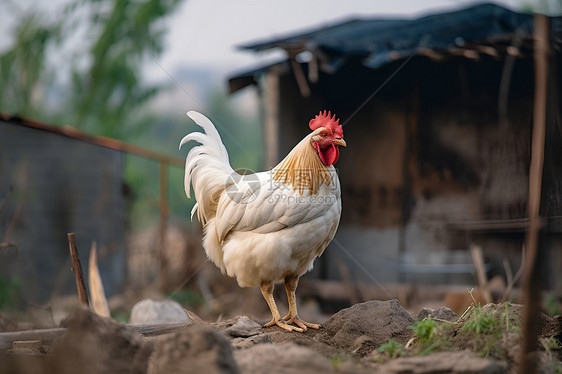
392, 348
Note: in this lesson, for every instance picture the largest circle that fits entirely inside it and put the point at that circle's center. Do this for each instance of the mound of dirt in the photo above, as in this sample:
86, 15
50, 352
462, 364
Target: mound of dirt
365, 326
196, 349
99, 344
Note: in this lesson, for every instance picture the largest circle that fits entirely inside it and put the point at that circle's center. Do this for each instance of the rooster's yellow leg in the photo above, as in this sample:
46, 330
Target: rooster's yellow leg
267, 292
291, 283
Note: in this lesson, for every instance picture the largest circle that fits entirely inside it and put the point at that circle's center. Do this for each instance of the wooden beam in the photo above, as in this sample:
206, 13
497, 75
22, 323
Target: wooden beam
77, 268
74, 133
48, 336
531, 282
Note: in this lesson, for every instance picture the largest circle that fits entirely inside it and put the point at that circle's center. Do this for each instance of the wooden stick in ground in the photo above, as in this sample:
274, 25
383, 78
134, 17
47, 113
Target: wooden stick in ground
531, 281
478, 260
163, 228
97, 293
77, 268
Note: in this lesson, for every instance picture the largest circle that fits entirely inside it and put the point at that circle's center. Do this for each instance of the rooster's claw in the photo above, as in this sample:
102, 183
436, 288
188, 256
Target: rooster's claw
284, 326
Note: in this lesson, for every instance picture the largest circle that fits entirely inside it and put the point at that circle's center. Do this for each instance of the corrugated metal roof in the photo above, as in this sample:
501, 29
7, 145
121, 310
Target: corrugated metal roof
378, 41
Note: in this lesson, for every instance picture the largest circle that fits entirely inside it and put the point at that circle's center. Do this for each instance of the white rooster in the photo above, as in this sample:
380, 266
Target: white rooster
267, 227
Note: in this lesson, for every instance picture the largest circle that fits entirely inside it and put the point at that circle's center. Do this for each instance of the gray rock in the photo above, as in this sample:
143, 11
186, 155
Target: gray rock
244, 328
166, 311
464, 362
442, 313
287, 358
367, 325
195, 349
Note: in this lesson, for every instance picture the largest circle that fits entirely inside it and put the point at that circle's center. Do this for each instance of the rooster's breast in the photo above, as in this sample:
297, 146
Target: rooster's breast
296, 229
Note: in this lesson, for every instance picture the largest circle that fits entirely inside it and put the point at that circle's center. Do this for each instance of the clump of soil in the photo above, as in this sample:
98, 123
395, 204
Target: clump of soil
365, 326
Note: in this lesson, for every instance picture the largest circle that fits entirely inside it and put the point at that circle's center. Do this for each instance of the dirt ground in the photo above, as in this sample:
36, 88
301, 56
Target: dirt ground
370, 337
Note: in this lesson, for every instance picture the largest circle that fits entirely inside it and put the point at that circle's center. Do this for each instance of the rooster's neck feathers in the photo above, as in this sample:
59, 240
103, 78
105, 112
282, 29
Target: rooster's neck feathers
302, 169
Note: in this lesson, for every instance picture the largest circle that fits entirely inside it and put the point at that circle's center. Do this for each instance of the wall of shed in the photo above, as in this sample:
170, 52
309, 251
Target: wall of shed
60, 185
430, 151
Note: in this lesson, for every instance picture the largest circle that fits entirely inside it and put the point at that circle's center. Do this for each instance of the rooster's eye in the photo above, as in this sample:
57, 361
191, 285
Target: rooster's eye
324, 134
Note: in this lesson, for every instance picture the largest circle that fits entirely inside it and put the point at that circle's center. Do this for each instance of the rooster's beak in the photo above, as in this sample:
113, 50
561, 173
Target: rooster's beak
340, 142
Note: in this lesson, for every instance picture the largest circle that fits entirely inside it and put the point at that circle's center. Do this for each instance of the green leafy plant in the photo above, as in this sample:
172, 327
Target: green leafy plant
424, 329
392, 348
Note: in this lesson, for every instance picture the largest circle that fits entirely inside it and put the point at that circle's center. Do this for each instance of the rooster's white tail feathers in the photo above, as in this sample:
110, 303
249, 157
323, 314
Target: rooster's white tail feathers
207, 167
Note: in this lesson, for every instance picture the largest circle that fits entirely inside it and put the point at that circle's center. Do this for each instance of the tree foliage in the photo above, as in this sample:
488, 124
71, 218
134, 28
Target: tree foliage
106, 91
22, 66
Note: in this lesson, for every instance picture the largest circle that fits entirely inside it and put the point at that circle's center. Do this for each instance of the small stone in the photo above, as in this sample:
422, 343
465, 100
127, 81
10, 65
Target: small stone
442, 313
166, 311
244, 328
28, 347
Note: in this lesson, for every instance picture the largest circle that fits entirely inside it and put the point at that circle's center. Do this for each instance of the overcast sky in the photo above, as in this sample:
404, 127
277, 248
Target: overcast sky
203, 34
206, 32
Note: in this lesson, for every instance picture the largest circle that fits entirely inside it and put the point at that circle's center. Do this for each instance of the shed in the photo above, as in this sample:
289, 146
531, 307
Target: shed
437, 113
51, 185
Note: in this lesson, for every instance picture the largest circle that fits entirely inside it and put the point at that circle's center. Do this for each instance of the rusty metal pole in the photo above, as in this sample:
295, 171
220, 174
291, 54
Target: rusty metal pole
531, 281
163, 225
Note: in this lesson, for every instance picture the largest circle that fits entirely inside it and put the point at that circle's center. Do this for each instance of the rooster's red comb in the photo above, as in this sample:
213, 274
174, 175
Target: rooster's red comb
327, 121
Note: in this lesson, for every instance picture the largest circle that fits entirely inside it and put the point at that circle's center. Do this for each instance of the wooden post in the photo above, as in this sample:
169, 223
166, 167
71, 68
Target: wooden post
408, 169
77, 268
478, 260
531, 281
299, 75
163, 226
271, 114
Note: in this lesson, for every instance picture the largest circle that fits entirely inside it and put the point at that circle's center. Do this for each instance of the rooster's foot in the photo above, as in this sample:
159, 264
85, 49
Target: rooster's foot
299, 322
283, 325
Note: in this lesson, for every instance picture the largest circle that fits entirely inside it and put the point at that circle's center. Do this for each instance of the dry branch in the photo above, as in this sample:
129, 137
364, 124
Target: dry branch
97, 293
478, 260
77, 268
